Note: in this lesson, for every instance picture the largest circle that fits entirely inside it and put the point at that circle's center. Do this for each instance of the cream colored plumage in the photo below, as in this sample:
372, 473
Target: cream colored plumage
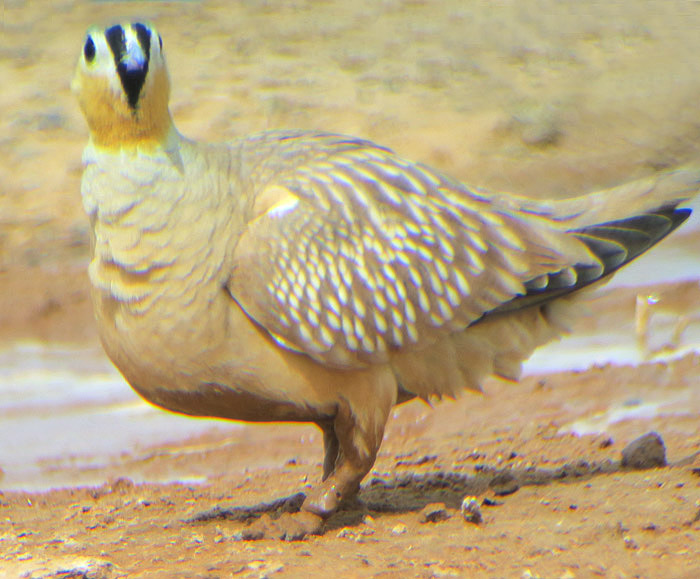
318, 277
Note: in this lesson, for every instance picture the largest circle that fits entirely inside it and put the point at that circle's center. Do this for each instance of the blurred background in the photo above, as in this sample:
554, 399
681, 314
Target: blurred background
538, 97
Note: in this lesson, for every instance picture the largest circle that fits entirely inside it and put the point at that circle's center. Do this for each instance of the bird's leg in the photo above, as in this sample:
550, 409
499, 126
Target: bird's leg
351, 449
351, 439
351, 443
331, 447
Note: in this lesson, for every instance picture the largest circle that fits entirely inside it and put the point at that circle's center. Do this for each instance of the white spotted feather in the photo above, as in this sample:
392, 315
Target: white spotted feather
420, 252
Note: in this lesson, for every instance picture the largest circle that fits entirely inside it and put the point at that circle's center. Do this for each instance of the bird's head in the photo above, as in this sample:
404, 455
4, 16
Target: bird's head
123, 87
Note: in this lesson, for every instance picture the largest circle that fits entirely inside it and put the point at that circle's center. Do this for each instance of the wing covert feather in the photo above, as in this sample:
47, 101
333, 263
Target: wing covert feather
355, 253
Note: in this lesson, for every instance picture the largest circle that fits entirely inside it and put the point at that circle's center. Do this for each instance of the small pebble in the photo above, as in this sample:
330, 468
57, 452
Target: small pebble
645, 452
434, 513
399, 529
630, 543
471, 510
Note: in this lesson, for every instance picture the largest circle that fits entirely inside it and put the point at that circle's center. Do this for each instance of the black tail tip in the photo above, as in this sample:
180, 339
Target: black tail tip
680, 215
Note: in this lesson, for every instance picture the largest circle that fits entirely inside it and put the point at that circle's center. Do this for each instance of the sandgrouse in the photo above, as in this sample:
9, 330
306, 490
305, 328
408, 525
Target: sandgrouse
316, 277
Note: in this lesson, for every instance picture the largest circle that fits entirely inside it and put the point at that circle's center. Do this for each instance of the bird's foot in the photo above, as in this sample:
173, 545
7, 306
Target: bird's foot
323, 500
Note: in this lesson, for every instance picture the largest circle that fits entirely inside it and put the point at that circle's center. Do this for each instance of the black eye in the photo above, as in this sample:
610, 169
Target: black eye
160, 42
89, 49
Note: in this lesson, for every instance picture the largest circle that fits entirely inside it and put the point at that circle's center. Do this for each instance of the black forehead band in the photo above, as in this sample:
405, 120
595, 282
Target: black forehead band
144, 37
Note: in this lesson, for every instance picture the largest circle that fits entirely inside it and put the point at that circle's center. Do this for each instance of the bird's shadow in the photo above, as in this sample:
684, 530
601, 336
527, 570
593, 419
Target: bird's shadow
412, 492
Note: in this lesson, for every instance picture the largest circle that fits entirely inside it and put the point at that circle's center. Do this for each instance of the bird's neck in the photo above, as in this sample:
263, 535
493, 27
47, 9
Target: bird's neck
140, 132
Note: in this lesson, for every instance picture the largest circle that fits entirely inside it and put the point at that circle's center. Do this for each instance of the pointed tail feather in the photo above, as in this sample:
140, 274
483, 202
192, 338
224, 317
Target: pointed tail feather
614, 244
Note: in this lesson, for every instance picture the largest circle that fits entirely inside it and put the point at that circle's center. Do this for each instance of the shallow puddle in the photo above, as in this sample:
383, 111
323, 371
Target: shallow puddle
63, 405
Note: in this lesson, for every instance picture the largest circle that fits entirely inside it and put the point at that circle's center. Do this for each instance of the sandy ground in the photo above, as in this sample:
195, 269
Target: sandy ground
540, 98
